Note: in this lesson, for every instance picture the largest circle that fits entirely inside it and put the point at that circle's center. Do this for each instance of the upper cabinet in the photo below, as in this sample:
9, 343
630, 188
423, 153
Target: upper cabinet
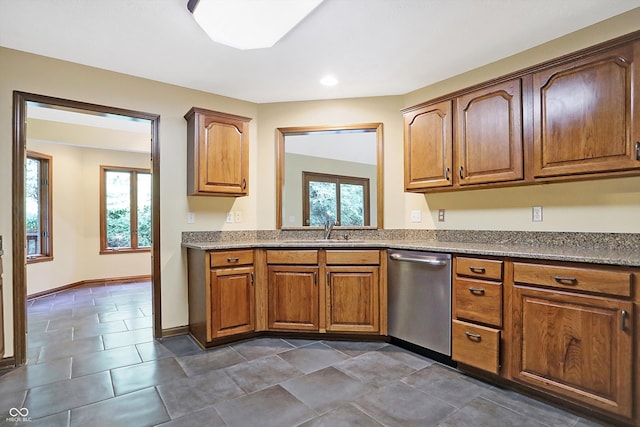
576, 117
217, 153
583, 115
427, 147
488, 143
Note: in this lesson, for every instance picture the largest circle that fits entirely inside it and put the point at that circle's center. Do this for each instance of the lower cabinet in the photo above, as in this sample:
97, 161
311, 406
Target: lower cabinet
293, 298
353, 299
571, 343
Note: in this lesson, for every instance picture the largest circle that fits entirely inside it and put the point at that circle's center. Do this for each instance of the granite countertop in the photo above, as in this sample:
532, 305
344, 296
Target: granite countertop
617, 255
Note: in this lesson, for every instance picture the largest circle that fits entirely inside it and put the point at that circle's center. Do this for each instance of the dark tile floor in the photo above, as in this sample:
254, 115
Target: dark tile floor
92, 361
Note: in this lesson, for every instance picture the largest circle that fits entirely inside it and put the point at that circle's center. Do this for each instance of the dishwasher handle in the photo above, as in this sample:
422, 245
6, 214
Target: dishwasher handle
430, 261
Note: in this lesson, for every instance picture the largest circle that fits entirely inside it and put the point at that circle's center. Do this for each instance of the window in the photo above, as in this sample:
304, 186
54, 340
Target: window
125, 209
38, 207
344, 199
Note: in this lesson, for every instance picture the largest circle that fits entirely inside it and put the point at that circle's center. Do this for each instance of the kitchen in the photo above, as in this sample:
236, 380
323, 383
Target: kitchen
568, 207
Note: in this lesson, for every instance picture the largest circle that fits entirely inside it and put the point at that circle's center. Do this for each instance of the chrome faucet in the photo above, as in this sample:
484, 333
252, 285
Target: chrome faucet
328, 226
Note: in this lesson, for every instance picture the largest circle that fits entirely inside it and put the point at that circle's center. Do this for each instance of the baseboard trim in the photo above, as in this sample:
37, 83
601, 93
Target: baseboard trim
7, 362
91, 282
173, 332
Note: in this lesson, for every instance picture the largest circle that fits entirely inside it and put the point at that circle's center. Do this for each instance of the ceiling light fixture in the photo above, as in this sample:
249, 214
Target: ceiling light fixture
329, 81
249, 24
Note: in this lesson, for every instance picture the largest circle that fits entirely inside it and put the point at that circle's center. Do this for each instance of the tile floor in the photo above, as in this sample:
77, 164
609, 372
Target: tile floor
92, 361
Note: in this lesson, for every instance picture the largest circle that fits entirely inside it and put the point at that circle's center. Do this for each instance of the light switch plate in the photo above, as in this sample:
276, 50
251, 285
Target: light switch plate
416, 216
229, 216
238, 216
441, 215
191, 217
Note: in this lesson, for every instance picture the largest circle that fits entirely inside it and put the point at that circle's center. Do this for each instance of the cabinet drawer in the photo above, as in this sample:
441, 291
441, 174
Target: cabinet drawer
476, 267
292, 257
478, 301
230, 258
475, 345
574, 278
339, 257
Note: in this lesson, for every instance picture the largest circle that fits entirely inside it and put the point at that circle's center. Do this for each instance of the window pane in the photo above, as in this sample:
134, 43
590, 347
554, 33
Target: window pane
118, 214
32, 189
144, 210
322, 202
351, 204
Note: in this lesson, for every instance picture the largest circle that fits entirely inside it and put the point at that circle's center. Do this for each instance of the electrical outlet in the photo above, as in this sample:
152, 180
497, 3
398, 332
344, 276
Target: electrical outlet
441, 215
191, 217
536, 213
416, 216
229, 216
238, 216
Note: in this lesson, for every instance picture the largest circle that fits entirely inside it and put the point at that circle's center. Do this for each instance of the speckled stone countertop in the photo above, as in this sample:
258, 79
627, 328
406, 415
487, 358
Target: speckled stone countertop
596, 248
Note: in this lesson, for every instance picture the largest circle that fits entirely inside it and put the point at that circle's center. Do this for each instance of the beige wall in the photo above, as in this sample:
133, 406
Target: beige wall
610, 205
76, 219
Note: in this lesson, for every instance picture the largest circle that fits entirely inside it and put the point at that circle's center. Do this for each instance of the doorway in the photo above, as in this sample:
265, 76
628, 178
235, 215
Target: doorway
20, 102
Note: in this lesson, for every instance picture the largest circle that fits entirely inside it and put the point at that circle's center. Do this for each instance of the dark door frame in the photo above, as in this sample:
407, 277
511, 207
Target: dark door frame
20, 100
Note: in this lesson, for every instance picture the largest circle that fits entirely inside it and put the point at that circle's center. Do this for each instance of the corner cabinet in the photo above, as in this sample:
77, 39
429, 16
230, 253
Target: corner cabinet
217, 153
586, 115
573, 333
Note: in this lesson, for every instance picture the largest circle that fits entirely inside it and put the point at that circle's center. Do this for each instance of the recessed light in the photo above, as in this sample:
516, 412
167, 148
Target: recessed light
329, 81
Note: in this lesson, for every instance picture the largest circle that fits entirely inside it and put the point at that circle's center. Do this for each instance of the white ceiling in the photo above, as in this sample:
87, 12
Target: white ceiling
373, 47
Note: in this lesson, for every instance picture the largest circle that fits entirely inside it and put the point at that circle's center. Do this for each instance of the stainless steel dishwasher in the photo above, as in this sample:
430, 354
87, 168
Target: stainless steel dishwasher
419, 298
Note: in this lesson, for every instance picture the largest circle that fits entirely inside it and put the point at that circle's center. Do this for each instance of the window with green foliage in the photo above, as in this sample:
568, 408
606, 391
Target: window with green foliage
335, 198
125, 211
38, 207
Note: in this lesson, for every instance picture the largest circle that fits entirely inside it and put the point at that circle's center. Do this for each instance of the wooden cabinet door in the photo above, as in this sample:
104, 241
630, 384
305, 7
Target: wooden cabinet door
232, 301
574, 346
218, 153
586, 119
353, 299
293, 298
428, 137
488, 144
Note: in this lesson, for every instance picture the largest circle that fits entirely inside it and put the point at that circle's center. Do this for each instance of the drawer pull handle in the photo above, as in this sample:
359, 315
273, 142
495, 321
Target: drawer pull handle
624, 315
476, 337
476, 291
461, 172
566, 280
236, 259
479, 270
252, 278
637, 150
447, 170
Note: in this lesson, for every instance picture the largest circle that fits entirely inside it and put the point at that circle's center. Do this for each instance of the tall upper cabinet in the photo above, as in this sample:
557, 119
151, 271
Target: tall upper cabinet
217, 153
